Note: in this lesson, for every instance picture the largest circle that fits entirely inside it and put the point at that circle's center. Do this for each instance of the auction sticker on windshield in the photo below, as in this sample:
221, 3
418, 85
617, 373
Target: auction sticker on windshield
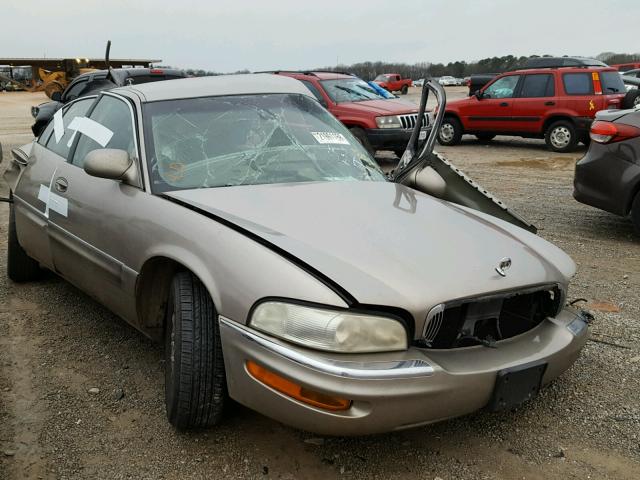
330, 137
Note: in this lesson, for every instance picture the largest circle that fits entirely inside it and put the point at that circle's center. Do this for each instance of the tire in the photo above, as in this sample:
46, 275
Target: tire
20, 266
631, 99
195, 382
485, 137
404, 90
450, 131
561, 136
361, 136
635, 213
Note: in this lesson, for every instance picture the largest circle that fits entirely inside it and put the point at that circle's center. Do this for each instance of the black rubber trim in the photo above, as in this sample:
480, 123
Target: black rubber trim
506, 119
318, 275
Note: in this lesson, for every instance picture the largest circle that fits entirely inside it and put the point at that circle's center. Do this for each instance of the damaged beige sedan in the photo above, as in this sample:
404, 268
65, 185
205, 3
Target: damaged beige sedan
237, 221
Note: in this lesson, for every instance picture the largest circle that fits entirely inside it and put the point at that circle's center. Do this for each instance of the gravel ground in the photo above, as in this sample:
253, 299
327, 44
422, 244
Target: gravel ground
81, 392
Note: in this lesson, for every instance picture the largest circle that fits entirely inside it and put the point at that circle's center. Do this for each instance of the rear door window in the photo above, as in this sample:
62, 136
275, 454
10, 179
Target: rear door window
612, 83
538, 85
578, 83
76, 109
74, 91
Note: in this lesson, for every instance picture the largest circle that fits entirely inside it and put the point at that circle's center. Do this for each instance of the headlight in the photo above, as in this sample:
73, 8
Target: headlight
391, 121
331, 330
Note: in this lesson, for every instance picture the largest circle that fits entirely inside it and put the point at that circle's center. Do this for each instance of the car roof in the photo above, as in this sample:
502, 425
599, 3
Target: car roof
222, 85
562, 69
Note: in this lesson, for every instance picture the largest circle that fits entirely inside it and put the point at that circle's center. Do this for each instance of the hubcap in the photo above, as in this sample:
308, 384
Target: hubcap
446, 132
560, 137
636, 101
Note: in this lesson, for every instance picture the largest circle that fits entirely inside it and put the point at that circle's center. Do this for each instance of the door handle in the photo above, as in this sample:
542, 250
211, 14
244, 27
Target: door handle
61, 184
504, 104
549, 103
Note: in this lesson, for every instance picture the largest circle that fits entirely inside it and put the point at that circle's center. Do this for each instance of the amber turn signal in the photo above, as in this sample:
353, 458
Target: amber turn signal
293, 390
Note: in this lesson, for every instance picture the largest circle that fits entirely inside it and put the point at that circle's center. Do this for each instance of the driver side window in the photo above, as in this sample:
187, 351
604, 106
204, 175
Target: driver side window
113, 114
502, 88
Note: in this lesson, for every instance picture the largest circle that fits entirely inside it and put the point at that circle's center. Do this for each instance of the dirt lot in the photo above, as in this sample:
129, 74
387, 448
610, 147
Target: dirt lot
56, 344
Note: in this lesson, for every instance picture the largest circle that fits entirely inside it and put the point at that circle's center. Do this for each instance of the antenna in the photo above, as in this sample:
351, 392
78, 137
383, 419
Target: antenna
106, 55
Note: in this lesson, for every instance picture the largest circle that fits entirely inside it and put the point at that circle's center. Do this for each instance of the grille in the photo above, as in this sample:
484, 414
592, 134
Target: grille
433, 323
489, 319
409, 120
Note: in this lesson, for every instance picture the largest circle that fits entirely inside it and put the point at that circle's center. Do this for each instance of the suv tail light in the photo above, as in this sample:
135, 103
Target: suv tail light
609, 132
597, 85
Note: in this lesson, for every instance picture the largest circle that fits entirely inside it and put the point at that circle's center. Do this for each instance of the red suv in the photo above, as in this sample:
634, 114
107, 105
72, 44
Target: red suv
556, 101
379, 123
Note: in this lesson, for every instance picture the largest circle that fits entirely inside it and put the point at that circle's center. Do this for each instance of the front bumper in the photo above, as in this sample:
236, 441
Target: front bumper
390, 391
389, 138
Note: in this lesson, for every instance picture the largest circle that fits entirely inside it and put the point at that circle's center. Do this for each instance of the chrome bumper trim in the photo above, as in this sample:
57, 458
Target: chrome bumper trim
355, 370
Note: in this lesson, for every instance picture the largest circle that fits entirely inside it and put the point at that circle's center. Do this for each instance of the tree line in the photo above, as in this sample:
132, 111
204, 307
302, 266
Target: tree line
461, 68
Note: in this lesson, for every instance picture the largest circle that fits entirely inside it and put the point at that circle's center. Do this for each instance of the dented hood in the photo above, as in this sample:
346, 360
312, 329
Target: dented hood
386, 243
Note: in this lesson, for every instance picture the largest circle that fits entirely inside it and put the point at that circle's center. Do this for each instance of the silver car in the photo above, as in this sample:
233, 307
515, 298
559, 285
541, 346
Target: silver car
237, 221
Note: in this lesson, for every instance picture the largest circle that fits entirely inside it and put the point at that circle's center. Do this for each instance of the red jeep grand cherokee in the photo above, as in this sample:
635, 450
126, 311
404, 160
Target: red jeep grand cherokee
557, 100
378, 123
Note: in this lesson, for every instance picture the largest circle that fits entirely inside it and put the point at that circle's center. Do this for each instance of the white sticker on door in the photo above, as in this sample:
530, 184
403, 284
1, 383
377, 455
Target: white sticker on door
330, 137
92, 129
53, 201
58, 125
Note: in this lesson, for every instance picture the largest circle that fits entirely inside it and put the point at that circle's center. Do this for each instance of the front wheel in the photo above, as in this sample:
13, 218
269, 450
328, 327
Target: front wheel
450, 131
561, 136
361, 136
635, 213
631, 99
20, 266
195, 382
404, 90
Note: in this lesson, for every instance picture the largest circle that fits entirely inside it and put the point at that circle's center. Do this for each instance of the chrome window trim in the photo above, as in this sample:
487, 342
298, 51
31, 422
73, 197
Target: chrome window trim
128, 102
346, 369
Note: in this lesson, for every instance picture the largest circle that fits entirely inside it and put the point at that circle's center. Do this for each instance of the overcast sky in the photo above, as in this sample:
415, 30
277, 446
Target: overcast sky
231, 35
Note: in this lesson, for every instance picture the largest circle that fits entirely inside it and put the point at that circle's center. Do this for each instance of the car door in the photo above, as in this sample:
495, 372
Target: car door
33, 201
535, 96
491, 110
87, 239
581, 98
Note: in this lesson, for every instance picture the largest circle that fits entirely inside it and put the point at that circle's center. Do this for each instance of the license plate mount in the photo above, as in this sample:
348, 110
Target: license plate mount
516, 385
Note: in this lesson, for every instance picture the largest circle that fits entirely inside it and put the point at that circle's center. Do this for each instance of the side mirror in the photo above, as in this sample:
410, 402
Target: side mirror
479, 95
113, 164
56, 96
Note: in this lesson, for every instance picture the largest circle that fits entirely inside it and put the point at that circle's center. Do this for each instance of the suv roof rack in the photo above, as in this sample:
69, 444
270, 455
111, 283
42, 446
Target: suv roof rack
306, 72
559, 62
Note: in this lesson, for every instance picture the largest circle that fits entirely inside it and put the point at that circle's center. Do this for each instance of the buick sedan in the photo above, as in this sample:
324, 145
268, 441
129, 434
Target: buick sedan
237, 221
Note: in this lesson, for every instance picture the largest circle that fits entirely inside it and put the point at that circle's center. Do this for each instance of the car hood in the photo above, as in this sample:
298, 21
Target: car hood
385, 243
392, 106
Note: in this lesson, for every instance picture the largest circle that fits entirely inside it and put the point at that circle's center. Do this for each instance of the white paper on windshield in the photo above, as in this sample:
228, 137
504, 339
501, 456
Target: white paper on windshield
58, 125
330, 137
92, 129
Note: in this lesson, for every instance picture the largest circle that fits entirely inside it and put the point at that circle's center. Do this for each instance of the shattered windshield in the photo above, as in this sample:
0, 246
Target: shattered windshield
350, 90
250, 140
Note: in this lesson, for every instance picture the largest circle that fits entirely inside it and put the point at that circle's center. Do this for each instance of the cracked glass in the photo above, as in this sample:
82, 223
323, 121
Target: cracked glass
249, 140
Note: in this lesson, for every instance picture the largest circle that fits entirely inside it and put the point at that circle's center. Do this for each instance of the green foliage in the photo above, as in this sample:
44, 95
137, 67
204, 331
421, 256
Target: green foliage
369, 70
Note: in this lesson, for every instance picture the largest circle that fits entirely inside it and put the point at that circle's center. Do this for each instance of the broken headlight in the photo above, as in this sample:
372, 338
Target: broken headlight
330, 330
389, 121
